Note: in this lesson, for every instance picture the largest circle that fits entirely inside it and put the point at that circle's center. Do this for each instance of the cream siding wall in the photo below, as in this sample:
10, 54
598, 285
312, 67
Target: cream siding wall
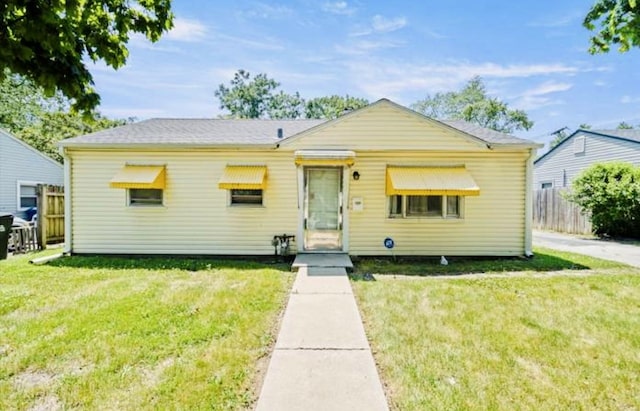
383, 127
493, 222
195, 218
598, 149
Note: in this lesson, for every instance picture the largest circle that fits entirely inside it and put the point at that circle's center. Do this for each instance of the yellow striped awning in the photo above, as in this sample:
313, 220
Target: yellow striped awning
139, 177
325, 157
243, 177
420, 181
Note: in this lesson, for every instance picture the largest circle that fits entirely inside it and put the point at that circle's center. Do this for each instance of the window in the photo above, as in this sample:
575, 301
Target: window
424, 206
145, 197
246, 197
28, 196
546, 185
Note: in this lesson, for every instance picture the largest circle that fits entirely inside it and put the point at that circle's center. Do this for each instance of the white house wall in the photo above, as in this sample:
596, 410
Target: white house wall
598, 149
20, 162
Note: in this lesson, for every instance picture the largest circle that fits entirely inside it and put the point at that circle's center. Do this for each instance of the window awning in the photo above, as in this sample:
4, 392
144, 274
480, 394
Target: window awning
420, 181
243, 177
325, 157
139, 177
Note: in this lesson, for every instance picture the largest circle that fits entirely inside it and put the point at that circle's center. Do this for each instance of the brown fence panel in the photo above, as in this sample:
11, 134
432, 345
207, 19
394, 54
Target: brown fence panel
551, 211
50, 214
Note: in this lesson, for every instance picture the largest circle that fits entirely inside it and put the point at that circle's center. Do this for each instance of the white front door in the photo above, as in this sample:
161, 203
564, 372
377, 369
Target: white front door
323, 208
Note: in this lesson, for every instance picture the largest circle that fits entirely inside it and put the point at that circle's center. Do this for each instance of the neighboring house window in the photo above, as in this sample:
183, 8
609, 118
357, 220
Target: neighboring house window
246, 197
547, 185
28, 196
424, 206
578, 145
145, 197
28, 193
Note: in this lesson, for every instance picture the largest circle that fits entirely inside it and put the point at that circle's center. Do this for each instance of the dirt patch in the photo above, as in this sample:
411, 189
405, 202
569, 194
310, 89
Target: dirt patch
33, 379
48, 403
153, 375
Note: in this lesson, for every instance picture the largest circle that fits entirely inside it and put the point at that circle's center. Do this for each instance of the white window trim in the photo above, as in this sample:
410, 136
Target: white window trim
20, 183
404, 216
128, 199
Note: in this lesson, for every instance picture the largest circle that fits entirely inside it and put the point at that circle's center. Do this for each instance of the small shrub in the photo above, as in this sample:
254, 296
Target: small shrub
611, 193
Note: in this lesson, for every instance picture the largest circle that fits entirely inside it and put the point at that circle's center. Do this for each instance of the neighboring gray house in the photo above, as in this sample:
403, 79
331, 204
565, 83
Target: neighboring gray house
22, 167
559, 166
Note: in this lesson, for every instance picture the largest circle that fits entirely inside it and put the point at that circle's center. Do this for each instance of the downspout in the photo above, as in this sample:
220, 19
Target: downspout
528, 208
68, 241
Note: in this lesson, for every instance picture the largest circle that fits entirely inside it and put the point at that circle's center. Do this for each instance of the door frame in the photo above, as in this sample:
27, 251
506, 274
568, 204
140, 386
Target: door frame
345, 210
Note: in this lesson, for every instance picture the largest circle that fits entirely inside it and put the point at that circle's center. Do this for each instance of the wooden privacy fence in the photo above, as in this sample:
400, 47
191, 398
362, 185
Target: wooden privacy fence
50, 222
551, 211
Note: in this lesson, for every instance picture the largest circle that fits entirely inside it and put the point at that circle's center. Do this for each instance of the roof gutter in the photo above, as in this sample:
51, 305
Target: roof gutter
176, 146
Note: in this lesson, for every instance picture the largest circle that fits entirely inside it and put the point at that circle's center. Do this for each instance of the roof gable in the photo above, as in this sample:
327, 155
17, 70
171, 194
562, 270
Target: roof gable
10, 137
632, 136
385, 125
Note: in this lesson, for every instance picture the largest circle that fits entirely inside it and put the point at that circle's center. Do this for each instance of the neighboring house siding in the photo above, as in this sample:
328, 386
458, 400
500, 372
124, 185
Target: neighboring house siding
20, 162
493, 222
195, 218
563, 165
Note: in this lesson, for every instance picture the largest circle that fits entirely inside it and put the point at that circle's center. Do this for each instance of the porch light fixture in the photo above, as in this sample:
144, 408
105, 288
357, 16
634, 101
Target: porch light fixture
356, 175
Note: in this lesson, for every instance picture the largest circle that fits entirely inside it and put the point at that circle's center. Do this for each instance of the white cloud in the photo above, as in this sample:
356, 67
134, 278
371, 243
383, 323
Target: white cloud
338, 7
186, 30
366, 46
537, 97
629, 100
267, 11
382, 78
380, 24
557, 21
384, 25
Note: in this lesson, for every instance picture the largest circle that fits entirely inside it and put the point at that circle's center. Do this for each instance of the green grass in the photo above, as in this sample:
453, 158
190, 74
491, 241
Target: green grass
115, 333
518, 340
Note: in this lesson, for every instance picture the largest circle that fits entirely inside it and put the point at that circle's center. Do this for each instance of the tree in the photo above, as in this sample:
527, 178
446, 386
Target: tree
50, 42
560, 135
42, 121
247, 97
610, 192
624, 126
259, 97
473, 105
584, 126
331, 107
619, 24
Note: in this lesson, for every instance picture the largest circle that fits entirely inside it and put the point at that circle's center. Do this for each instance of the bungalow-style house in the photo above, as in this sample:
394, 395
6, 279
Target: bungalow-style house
559, 166
22, 168
379, 176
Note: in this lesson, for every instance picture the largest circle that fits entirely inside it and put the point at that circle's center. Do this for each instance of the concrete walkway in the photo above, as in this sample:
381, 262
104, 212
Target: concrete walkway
605, 249
322, 359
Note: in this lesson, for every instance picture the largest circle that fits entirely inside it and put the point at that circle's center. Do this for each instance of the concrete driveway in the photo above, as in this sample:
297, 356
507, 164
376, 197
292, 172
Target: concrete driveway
605, 249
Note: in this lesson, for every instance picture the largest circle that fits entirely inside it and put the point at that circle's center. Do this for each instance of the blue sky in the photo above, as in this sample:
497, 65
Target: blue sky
533, 55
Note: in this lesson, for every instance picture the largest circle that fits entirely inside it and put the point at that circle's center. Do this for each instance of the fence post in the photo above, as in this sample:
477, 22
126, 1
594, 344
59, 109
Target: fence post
42, 216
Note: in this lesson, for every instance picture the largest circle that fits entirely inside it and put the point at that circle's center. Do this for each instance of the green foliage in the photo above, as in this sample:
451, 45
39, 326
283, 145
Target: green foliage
42, 121
624, 126
619, 24
333, 106
258, 97
473, 105
611, 193
585, 126
50, 42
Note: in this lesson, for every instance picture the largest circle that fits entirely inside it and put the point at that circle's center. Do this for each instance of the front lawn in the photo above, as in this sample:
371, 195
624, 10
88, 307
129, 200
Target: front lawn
563, 338
110, 333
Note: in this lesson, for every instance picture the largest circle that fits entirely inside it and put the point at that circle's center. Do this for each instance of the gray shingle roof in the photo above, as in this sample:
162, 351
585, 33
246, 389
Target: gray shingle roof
632, 134
196, 131
486, 134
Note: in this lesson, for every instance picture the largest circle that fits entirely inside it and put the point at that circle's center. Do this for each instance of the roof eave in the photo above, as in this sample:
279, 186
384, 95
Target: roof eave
165, 145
